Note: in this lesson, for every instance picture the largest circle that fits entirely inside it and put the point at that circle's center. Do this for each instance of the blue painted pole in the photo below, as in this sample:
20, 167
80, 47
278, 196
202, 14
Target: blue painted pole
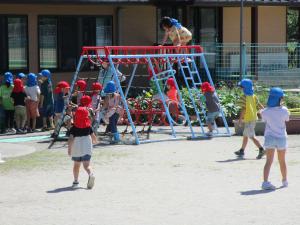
137, 141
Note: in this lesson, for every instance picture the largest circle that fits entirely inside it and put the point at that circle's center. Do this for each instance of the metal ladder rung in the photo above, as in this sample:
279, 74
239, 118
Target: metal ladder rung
185, 67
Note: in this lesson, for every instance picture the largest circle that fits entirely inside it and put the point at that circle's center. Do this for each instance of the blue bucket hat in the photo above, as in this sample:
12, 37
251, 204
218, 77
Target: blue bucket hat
31, 80
8, 78
45, 73
247, 86
21, 75
110, 88
275, 95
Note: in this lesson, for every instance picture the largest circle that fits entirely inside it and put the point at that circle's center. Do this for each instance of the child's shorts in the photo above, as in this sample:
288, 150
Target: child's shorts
82, 158
279, 143
48, 111
32, 109
249, 129
211, 117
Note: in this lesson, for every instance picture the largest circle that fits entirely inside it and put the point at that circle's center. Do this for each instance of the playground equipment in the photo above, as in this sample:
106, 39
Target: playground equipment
161, 62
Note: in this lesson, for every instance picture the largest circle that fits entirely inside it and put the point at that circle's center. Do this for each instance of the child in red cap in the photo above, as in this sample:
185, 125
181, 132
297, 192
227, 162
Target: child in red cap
18, 95
96, 102
172, 91
172, 95
80, 145
81, 86
212, 106
60, 94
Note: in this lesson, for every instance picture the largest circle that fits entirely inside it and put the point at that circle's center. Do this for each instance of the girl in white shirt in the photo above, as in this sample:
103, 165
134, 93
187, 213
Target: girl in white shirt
275, 117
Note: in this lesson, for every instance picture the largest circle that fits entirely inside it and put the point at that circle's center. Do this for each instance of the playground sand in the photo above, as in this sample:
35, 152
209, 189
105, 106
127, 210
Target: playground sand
167, 183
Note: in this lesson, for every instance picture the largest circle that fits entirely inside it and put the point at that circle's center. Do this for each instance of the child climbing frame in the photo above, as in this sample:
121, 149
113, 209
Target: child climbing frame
160, 61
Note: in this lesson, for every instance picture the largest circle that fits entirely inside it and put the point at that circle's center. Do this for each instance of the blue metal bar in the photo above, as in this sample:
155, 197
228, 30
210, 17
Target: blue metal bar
190, 92
181, 100
131, 79
137, 141
161, 95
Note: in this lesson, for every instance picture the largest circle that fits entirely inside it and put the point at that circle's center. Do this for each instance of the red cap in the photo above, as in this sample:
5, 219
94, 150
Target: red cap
63, 84
81, 118
97, 86
57, 90
206, 87
18, 86
81, 84
85, 101
171, 82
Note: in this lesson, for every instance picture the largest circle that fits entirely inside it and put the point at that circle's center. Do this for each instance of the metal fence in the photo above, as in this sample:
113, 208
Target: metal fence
270, 64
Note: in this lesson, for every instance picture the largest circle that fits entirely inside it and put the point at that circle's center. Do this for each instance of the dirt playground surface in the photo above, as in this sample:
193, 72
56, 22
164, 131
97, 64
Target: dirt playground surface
167, 183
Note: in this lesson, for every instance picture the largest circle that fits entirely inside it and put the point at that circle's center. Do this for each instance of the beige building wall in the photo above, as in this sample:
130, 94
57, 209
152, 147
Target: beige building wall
231, 24
137, 25
271, 24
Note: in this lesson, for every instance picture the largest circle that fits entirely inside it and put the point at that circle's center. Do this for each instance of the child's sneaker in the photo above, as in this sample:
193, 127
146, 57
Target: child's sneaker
266, 185
285, 183
91, 182
75, 184
240, 153
260, 154
209, 134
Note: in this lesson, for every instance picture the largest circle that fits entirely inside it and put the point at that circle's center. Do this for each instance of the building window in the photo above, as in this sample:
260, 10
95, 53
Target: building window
103, 31
173, 12
13, 43
204, 24
68, 34
48, 42
293, 25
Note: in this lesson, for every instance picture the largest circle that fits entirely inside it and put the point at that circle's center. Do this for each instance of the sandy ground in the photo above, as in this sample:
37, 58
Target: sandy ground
168, 183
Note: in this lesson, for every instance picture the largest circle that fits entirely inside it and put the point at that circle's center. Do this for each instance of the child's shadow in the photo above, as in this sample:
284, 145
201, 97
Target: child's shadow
258, 192
64, 189
232, 160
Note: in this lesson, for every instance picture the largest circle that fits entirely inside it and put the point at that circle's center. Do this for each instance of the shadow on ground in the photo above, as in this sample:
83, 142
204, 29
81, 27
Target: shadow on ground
258, 192
64, 189
234, 160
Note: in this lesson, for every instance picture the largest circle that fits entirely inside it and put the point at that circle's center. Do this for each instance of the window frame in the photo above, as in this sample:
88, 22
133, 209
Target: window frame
58, 55
6, 50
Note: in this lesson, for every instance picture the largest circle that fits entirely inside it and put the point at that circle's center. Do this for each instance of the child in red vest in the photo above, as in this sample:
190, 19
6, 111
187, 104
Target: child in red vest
80, 145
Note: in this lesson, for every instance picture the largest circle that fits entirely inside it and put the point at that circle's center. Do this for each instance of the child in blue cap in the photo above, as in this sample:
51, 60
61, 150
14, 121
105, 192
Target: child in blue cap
111, 109
33, 92
275, 116
47, 100
7, 102
249, 104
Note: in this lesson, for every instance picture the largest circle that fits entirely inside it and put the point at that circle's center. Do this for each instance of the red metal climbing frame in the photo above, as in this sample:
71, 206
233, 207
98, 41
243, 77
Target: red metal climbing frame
97, 54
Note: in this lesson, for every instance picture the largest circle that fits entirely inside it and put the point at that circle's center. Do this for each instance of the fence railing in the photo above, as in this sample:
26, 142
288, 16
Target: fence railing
272, 64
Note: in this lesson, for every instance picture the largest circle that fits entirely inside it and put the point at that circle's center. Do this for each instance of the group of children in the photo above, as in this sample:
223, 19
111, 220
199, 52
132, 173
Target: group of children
22, 100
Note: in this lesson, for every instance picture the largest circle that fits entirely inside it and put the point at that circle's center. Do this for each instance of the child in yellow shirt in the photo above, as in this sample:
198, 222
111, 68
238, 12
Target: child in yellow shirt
248, 115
